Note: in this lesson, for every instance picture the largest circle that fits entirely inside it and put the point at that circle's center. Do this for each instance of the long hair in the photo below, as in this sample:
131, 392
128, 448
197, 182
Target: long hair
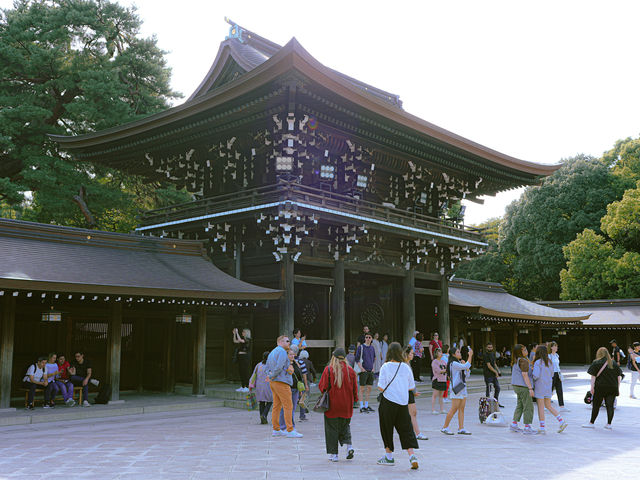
394, 354
406, 352
335, 366
464, 352
542, 354
604, 353
265, 355
517, 354
452, 358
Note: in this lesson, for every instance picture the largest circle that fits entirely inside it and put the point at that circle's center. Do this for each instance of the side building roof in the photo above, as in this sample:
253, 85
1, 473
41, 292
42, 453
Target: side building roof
74, 260
606, 314
491, 299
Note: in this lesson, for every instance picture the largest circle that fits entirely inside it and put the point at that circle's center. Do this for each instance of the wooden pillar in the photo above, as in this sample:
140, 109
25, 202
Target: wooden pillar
199, 351
285, 326
587, 346
514, 333
444, 327
408, 306
138, 347
168, 382
337, 305
539, 335
114, 350
7, 330
238, 259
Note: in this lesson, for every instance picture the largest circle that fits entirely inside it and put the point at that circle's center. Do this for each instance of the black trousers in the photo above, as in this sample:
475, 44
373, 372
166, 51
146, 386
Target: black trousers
608, 397
415, 366
264, 408
391, 415
243, 366
496, 386
557, 384
336, 430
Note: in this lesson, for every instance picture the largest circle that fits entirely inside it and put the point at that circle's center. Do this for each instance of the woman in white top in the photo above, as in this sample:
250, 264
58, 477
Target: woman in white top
395, 381
459, 370
557, 375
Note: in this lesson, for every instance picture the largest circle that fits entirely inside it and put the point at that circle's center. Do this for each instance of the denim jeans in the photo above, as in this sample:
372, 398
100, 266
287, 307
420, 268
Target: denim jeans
66, 389
294, 400
77, 381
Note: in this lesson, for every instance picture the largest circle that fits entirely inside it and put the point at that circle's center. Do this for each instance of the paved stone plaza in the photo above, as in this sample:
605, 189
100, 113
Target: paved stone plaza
220, 443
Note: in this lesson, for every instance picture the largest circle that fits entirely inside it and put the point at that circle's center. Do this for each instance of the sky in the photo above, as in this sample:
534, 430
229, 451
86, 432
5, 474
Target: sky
537, 80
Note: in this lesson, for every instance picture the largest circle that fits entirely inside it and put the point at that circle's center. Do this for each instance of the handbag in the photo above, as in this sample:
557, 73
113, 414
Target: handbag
380, 397
300, 386
588, 398
322, 404
458, 387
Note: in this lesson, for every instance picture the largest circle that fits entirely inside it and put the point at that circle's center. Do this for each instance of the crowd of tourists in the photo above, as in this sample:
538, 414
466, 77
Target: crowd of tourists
283, 377
55, 375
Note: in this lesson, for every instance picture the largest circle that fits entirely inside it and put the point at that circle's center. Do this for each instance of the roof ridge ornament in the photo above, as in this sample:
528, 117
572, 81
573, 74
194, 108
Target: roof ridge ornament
235, 30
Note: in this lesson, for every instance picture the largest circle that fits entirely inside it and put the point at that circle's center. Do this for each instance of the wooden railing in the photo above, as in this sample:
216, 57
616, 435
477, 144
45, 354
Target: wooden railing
315, 197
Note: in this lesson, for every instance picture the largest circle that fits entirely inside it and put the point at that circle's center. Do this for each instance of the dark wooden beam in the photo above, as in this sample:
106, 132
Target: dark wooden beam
287, 305
376, 269
138, 347
427, 291
444, 327
170, 354
408, 306
7, 331
199, 351
427, 276
338, 329
114, 350
315, 280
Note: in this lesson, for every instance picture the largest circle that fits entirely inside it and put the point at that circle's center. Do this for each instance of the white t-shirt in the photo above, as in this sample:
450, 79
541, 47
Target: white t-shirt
398, 391
37, 373
555, 361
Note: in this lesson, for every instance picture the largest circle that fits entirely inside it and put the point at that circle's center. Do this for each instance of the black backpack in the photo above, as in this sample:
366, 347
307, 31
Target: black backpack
104, 395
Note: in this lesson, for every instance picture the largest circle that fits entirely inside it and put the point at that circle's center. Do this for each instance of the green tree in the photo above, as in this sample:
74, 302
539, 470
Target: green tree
491, 266
72, 67
546, 218
608, 265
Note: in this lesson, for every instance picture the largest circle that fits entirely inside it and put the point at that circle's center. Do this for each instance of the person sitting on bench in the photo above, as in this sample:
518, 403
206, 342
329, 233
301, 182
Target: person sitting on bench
80, 371
52, 369
33, 379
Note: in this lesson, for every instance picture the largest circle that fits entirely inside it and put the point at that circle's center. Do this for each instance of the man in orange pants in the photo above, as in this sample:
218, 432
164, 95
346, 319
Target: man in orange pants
279, 370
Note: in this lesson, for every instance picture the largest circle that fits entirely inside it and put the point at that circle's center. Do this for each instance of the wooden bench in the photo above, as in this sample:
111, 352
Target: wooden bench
38, 395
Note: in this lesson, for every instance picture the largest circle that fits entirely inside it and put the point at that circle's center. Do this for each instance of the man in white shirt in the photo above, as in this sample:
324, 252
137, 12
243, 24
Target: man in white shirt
35, 378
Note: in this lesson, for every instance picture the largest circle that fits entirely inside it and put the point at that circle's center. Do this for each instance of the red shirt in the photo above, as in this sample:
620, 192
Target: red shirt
433, 344
340, 399
64, 370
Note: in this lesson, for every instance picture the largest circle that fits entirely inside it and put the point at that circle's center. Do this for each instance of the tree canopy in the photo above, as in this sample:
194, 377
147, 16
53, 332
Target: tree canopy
72, 67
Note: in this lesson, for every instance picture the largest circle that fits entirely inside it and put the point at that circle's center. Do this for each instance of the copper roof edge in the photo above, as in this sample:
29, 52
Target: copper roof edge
293, 56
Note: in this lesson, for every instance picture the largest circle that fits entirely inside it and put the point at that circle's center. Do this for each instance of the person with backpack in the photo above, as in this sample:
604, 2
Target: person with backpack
394, 383
542, 382
35, 377
605, 385
339, 379
459, 369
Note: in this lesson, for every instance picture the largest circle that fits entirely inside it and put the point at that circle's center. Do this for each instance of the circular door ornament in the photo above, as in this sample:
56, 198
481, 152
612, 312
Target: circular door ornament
372, 316
309, 313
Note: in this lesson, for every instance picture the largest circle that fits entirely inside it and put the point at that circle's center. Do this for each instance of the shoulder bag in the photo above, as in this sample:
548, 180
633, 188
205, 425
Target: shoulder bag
322, 405
588, 398
380, 396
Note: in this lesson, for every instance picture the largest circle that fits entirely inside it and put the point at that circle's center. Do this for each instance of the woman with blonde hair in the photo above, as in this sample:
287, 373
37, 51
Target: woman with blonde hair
413, 411
605, 385
341, 381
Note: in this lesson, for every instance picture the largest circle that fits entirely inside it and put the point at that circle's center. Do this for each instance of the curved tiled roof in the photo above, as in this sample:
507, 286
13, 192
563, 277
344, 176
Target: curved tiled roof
64, 259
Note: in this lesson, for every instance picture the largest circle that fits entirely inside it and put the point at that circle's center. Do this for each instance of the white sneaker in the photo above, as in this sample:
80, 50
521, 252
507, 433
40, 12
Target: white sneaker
240, 390
563, 409
333, 458
608, 427
85, 403
278, 433
433, 412
70, 402
422, 436
588, 425
293, 434
93, 381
